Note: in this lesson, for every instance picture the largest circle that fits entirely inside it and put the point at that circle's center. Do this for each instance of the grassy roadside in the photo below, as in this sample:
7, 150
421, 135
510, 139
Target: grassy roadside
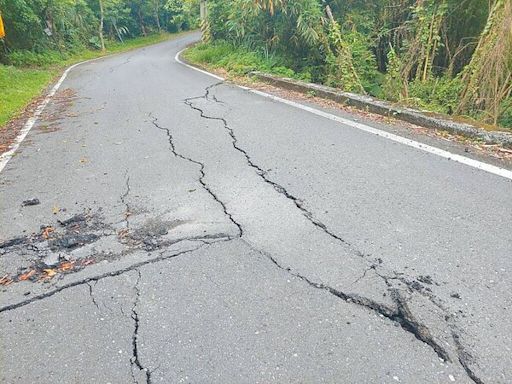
20, 85
238, 61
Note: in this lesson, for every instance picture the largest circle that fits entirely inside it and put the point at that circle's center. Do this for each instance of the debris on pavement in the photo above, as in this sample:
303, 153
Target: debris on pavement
30, 202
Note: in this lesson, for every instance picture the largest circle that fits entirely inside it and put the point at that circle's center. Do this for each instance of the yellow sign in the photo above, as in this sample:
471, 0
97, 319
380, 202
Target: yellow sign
2, 31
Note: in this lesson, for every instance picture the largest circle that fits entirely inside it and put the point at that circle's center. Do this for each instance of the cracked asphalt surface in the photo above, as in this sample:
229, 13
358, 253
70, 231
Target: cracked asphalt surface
188, 231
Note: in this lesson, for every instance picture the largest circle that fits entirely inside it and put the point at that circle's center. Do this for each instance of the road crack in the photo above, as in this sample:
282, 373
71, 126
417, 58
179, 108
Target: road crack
401, 313
209, 96
126, 61
202, 173
91, 294
465, 359
124, 200
135, 360
161, 257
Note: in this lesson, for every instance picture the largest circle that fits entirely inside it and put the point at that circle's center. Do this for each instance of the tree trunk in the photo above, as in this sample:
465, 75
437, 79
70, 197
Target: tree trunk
102, 16
157, 15
141, 21
157, 20
342, 68
423, 42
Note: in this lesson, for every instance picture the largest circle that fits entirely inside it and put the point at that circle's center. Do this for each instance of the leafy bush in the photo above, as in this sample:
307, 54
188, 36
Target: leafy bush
437, 94
505, 119
23, 58
241, 60
183, 15
364, 61
392, 85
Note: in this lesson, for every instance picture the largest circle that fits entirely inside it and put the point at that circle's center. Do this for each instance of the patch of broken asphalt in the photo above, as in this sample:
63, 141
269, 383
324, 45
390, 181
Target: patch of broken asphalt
74, 243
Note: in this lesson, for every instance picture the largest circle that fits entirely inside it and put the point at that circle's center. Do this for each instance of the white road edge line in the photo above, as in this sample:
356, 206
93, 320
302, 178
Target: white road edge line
6, 156
495, 170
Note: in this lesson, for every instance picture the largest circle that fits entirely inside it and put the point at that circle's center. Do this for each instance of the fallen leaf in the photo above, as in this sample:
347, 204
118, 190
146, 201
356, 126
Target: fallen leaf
6, 280
66, 266
27, 275
47, 231
49, 273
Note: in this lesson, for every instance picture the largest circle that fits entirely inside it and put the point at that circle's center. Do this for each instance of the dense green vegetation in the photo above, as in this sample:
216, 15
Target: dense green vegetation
47, 28
449, 56
240, 60
43, 36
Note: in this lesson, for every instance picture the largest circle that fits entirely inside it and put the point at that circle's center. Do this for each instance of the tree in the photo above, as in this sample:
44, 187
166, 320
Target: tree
488, 76
156, 13
102, 18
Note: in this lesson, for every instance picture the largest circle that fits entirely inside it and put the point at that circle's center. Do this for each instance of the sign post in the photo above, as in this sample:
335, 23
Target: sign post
205, 29
2, 30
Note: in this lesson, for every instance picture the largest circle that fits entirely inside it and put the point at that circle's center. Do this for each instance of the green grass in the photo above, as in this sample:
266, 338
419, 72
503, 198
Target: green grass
238, 60
18, 87
20, 84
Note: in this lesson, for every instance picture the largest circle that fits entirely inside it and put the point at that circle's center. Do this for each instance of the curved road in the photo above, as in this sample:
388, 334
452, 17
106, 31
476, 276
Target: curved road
190, 231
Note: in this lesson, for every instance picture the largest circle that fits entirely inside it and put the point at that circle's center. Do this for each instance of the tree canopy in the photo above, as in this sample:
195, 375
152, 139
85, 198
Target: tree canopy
39, 25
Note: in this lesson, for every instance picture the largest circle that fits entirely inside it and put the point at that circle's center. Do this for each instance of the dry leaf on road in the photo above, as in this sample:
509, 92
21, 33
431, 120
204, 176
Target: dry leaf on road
47, 231
5, 280
27, 275
49, 273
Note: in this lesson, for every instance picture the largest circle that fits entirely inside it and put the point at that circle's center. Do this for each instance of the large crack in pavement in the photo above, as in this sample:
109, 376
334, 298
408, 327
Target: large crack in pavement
124, 200
135, 361
465, 359
208, 96
58, 249
202, 177
401, 314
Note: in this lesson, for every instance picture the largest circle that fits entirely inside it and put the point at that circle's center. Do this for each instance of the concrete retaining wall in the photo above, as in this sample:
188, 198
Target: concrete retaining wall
380, 107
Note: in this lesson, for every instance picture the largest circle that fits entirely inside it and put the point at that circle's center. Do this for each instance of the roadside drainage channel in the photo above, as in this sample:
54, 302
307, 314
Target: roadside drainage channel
384, 108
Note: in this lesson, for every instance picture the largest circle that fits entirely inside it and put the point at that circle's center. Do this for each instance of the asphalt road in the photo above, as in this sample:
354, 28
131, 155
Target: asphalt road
190, 231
